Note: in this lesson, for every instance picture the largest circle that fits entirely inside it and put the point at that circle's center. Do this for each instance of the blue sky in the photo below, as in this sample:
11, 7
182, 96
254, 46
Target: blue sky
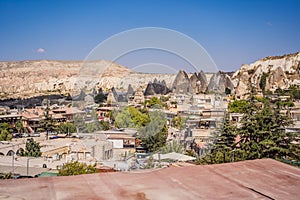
233, 32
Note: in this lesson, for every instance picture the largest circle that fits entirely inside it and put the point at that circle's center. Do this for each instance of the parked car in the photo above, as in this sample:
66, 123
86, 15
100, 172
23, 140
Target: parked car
53, 137
36, 134
17, 135
25, 135
52, 133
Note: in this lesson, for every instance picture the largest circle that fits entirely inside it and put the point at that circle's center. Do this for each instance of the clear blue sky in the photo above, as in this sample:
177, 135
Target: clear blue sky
233, 32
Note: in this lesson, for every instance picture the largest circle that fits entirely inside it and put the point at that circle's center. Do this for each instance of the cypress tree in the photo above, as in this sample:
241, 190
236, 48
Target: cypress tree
223, 144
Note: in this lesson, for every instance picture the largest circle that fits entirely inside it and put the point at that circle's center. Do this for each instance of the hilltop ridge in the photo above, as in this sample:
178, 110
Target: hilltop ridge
25, 79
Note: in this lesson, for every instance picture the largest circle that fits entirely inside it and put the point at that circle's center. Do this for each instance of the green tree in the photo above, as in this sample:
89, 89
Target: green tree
48, 123
79, 123
32, 148
172, 147
104, 125
155, 102
263, 81
263, 133
179, 122
76, 168
67, 128
5, 135
292, 91
111, 115
123, 119
139, 119
164, 98
223, 144
91, 127
154, 134
19, 126
131, 117
238, 106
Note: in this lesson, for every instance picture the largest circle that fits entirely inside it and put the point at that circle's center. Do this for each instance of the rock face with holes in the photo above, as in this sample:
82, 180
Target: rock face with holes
267, 74
219, 82
157, 87
182, 83
199, 82
35, 78
26, 79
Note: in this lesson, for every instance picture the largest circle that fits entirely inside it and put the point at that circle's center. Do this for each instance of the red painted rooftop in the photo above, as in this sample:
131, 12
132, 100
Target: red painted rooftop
257, 179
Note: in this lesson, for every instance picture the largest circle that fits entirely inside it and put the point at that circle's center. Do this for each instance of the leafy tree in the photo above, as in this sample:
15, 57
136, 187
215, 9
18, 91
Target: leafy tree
19, 126
152, 126
104, 125
20, 152
293, 91
5, 135
263, 81
172, 147
79, 123
76, 168
191, 153
164, 98
155, 102
224, 144
91, 127
32, 148
139, 119
67, 128
124, 120
179, 122
154, 135
111, 115
238, 106
131, 117
48, 123
262, 135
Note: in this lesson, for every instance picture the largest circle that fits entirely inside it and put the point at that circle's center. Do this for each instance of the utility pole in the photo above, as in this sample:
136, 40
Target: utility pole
13, 162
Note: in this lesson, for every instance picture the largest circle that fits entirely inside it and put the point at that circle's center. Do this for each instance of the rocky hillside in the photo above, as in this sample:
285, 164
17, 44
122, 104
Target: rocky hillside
34, 78
26, 79
267, 74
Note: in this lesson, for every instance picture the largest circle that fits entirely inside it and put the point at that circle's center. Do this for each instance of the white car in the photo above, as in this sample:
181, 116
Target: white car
25, 135
36, 134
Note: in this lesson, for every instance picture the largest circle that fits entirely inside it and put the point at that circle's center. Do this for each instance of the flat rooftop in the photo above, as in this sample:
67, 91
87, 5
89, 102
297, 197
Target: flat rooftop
256, 179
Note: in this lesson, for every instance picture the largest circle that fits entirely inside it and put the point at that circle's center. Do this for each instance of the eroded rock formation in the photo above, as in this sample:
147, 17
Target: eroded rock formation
278, 72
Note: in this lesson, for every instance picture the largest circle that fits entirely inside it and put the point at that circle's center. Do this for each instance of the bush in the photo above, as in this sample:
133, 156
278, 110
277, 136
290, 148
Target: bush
263, 81
76, 168
33, 148
67, 128
238, 106
5, 135
104, 125
5, 175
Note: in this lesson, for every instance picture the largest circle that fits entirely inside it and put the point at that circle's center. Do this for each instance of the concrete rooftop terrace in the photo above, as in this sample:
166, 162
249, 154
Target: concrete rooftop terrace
256, 179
